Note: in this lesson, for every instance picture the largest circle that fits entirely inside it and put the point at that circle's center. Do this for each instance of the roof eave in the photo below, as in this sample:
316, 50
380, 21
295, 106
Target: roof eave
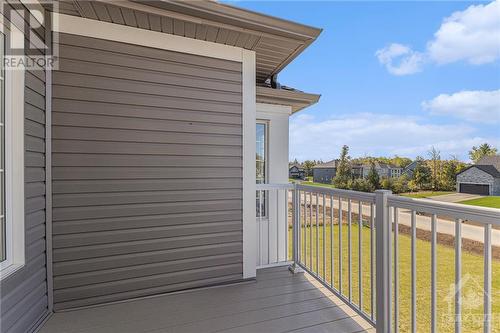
249, 20
296, 99
245, 17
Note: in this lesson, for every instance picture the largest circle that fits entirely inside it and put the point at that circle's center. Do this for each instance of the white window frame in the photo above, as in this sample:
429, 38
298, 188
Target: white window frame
266, 148
266, 161
14, 162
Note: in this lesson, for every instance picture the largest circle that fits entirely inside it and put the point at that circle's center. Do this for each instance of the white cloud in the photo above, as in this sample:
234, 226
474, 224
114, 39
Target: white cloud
476, 106
400, 59
472, 35
374, 134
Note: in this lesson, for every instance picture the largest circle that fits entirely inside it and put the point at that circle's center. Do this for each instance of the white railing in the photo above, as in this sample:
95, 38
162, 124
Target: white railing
457, 214
326, 218
350, 242
273, 224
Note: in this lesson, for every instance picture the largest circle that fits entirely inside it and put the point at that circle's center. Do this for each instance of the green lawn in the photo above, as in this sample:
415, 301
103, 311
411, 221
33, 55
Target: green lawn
472, 268
417, 195
491, 201
317, 184
425, 194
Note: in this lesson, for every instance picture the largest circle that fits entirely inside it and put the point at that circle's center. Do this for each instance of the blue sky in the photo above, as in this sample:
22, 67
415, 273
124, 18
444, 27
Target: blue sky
380, 67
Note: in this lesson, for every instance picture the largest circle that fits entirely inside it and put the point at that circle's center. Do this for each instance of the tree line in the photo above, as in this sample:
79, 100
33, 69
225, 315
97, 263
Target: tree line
430, 174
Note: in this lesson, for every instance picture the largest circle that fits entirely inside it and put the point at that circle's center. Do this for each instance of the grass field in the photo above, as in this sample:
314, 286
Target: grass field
472, 272
425, 194
317, 184
417, 195
491, 201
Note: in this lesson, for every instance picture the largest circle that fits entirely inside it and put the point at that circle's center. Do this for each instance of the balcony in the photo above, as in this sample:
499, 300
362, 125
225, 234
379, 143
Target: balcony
336, 261
403, 265
278, 301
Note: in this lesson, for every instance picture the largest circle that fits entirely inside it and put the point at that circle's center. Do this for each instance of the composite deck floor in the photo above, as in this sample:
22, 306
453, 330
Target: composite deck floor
277, 302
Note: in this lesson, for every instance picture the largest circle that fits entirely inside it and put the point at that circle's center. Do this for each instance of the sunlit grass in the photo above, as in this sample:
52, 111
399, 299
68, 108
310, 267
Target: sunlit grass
491, 201
425, 194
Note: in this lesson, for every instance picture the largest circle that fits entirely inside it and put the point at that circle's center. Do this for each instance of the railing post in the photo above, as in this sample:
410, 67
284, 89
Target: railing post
383, 262
295, 268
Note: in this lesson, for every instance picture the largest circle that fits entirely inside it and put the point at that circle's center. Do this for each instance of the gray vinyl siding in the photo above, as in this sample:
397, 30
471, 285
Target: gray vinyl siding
147, 171
23, 294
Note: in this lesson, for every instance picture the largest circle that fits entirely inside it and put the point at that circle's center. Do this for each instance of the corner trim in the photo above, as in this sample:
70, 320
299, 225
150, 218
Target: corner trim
248, 120
48, 168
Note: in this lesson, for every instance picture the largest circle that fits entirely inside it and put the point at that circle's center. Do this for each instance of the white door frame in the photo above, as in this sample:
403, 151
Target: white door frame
271, 229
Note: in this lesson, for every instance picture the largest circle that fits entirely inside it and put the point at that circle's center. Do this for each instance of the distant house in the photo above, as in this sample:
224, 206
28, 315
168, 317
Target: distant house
410, 169
325, 172
384, 170
481, 178
296, 171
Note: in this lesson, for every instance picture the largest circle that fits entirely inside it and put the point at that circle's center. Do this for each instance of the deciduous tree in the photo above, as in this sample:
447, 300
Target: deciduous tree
476, 153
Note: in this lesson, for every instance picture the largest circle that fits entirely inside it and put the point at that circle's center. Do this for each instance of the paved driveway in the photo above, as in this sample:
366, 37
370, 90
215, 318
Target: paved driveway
472, 232
455, 197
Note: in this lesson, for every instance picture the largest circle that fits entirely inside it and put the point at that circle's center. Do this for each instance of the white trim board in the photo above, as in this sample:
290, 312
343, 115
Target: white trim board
120, 33
249, 119
14, 86
160, 40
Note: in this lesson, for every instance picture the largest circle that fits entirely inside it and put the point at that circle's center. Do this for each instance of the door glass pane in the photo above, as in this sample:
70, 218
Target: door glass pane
260, 166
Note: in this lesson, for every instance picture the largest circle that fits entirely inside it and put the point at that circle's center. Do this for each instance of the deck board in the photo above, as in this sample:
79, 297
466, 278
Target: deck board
277, 302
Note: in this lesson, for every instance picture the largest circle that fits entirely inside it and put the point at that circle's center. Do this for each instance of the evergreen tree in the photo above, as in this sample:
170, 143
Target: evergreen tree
449, 173
308, 165
373, 177
421, 175
343, 173
435, 165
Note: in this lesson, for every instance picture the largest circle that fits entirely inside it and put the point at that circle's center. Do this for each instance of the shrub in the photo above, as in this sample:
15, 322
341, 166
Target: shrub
361, 184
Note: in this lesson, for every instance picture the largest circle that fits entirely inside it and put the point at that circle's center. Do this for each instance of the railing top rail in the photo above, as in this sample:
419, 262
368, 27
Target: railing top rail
348, 194
483, 215
263, 187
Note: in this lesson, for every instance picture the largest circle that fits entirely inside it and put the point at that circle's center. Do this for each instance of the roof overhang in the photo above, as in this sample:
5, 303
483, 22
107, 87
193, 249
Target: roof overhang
296, 99
276, 41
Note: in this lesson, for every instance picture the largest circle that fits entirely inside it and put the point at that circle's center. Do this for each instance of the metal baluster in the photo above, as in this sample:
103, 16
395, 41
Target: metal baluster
413, 271
324, 237
331, 242
295, 224
349, 249
458, 275
396, 271
278, 228
285, 191
360, 254
268, 228
433, 273
372, 260
260, 227
340, 245
487, 278
310, 231
305, 229
317, 234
